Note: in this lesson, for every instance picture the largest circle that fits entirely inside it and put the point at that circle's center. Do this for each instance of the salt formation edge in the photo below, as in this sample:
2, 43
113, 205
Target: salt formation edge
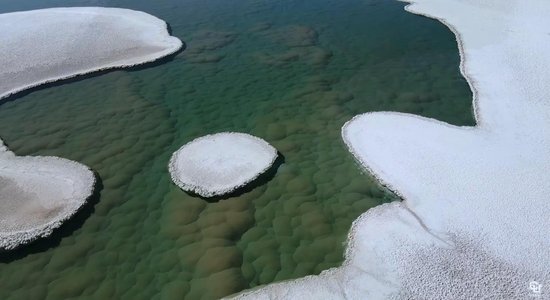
170, 43
81, 179
208, 191
76, 175
405, 250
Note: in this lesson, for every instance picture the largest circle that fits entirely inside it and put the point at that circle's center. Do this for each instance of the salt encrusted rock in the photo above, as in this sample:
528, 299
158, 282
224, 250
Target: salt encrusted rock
220, 163
475, 218
37, 194
47, 45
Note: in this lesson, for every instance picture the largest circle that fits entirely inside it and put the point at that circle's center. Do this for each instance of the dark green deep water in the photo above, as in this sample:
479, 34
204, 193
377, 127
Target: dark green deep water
289, 71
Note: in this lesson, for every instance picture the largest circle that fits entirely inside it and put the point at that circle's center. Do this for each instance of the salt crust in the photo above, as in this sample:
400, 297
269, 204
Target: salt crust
475, 216
67, 42
220, 163
38, 193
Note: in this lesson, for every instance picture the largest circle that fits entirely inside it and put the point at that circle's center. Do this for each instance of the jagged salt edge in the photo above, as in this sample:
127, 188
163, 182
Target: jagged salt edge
212, 193
177, 45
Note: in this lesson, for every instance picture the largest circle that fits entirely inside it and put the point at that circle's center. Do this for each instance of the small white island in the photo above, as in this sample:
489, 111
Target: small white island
219, 164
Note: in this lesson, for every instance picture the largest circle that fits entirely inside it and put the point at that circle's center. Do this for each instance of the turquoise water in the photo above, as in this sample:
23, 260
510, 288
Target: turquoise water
287, 71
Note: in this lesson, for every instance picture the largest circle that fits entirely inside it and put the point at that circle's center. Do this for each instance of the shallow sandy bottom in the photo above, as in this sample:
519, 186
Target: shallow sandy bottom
145, 238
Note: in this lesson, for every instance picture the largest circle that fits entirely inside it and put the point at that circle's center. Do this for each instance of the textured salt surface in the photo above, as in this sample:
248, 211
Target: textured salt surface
474, 222
39, 193
220, 163
117, 38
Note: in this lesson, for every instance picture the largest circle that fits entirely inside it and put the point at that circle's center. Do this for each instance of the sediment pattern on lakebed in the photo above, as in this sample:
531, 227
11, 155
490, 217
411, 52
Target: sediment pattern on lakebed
144, 238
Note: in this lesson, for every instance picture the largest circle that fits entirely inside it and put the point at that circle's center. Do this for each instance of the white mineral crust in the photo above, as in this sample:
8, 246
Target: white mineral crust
220, 163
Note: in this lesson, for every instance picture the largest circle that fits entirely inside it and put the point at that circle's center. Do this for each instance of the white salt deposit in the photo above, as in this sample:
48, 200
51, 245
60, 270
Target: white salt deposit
220, 163
46, 45
38, 193
475, 218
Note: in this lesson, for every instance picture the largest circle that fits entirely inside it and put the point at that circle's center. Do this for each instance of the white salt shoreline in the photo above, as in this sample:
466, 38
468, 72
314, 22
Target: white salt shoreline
37, 194
474, 220
218, 164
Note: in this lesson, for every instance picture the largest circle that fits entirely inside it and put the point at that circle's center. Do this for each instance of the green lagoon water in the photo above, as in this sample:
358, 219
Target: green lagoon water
289, 71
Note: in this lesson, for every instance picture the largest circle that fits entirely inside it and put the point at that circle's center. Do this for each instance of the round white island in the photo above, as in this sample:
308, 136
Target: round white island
218, 164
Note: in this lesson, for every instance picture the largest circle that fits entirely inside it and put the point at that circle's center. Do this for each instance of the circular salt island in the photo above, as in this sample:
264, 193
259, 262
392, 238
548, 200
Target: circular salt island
218, 164
37, 194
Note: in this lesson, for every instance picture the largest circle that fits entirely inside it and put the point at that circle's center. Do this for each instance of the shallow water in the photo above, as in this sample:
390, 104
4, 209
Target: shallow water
287, 71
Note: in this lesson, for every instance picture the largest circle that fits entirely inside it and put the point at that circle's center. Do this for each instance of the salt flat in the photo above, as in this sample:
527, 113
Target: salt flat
475, 216
38, 193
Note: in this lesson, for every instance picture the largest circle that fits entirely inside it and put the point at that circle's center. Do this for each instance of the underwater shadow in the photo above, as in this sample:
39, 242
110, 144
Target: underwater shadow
94, 74
263, 179
66, 229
